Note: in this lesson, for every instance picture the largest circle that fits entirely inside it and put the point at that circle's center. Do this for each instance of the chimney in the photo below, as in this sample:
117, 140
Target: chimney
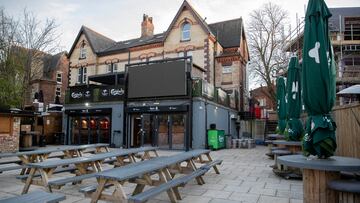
147, 27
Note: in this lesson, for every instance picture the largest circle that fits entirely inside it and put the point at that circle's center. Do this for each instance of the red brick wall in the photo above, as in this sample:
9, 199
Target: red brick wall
10, 142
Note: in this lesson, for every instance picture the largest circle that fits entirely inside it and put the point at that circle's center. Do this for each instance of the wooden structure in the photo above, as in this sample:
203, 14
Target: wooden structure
318, 172
347, 119
82, 164
141, 174
40, 155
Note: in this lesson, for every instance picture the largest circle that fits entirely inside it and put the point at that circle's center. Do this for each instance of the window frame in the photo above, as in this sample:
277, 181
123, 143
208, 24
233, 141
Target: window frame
187, 31
227, 72
58, 73
58, 90
82, 51
82, 75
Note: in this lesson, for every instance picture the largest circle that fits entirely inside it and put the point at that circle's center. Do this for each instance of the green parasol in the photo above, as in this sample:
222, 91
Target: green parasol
293, 92
318, 79
281, 104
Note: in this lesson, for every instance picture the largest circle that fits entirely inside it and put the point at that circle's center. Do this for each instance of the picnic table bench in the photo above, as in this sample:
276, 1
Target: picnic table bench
39, 155
35, 197
85, 167
141, 173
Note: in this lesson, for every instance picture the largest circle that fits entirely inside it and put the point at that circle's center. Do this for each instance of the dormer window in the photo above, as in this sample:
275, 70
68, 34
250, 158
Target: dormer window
82, 51
185, 32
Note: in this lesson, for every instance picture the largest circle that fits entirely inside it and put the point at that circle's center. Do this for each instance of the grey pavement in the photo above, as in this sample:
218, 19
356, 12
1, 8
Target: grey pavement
245, 176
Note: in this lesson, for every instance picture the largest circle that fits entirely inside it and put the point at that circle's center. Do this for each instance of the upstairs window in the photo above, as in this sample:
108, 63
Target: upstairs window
113, 67
59, 77
58, 91
82, 51
227, 69
185, 32
82, 75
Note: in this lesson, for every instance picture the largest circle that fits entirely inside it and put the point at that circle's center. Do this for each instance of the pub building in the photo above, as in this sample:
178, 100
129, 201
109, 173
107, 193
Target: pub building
160, 103
123, 93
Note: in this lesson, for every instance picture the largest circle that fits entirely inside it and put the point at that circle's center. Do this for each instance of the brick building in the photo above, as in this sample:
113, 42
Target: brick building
218, 52
51, 79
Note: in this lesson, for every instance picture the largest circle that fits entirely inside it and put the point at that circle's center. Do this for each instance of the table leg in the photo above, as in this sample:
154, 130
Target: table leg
45, 180
315, 186
95, 197
215, 167
170, 192
28, 181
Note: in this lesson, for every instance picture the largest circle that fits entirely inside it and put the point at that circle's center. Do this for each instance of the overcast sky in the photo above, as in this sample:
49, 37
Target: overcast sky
120, 19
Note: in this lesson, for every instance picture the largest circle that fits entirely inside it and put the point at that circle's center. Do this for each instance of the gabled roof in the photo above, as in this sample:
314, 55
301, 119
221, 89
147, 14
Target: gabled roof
228, 33
334, 23
186, 5
97, 41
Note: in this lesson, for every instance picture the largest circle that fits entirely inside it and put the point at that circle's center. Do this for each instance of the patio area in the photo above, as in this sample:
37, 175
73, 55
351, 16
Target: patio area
245, 176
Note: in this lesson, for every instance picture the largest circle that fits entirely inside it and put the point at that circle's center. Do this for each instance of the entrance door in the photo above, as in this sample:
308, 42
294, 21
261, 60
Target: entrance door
178, 130
164, 138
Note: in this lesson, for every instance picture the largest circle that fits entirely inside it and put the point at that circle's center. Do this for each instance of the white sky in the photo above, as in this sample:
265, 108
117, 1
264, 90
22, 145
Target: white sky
120, 19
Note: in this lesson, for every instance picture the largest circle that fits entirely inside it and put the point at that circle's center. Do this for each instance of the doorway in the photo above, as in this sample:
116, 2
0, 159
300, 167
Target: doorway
166, 131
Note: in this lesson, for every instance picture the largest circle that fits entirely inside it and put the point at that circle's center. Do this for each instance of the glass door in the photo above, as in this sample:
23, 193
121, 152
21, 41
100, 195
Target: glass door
164, 140
177, 131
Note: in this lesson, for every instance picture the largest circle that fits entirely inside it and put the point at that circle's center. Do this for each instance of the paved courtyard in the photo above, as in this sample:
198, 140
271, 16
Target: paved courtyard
245, 177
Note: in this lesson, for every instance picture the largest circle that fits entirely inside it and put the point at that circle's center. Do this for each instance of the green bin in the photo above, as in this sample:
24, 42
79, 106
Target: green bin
216, 139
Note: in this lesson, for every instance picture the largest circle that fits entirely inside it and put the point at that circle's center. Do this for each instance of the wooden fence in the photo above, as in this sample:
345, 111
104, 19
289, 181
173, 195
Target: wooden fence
348, 130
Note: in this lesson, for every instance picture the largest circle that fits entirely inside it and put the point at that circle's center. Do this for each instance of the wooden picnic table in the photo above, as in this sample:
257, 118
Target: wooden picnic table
40, 155
293, 146
82, 165
141, 173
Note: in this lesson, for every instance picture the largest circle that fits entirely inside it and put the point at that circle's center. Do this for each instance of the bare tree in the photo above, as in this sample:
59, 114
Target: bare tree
37, 39
23, 45
11, 70
266, 42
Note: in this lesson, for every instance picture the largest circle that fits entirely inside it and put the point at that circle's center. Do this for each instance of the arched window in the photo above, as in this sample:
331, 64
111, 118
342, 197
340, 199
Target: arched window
185, 31
82, 51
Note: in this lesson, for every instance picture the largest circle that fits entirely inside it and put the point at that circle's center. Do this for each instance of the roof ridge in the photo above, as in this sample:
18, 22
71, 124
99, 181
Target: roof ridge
97, 33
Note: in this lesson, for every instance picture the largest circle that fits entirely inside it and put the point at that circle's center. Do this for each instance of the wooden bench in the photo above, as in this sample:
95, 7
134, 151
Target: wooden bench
58, 170
11, 168
211, 164
174, 183
75, 179
349, 190
35, 197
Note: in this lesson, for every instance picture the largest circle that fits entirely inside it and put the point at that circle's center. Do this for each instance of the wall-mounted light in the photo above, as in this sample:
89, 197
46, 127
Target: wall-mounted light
87, 104
156, 103
200, 107
216, 108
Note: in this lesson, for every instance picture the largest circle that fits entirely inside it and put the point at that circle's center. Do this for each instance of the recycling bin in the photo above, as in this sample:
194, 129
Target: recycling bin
216, 139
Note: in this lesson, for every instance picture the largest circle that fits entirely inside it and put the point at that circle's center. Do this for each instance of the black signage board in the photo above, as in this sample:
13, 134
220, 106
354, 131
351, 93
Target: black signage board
81, 94
111, 93
154, 109
88, 111
157, 80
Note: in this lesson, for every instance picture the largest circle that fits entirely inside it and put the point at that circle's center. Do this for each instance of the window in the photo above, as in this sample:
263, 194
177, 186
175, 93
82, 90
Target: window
58, 91
82, 75
181, 54
185, 32
227, 69
113, 67
58, 77
82, 51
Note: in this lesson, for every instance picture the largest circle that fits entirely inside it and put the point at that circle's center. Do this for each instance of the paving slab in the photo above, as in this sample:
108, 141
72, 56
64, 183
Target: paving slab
245, 176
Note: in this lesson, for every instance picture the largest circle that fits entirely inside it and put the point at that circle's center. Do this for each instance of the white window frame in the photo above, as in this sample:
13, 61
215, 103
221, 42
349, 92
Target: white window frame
82, 51
82, 75
112, 67
58, 91
181, 54
58, 73
227, 69
185, 32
